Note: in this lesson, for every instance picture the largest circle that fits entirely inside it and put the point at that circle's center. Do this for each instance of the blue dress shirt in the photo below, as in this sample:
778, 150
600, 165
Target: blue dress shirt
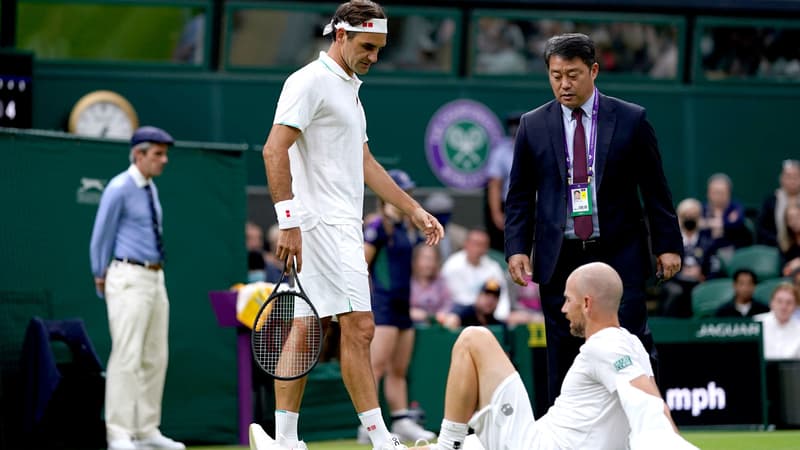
123, 227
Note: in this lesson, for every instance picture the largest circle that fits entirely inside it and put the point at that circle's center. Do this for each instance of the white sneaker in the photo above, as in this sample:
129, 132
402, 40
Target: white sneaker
363, 436
394, 444
260, 440
121, 444
409, 431
159, 441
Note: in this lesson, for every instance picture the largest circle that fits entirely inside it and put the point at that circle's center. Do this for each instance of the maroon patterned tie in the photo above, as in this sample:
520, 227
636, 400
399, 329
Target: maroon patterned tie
583, 224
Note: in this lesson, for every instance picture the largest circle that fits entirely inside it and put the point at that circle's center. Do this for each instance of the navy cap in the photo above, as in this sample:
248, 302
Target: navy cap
402, 179
491, 286
151, 134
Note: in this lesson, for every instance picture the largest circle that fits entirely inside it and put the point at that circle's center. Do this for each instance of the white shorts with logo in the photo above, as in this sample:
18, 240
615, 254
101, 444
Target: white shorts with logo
334, 273
507, 422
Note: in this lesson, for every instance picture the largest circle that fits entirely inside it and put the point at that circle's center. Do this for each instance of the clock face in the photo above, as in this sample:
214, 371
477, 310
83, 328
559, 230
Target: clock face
104, 119
103, 114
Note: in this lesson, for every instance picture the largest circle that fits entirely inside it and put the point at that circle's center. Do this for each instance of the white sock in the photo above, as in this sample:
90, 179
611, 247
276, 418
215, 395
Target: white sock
400, 414
372, 420
286, 426
452, 435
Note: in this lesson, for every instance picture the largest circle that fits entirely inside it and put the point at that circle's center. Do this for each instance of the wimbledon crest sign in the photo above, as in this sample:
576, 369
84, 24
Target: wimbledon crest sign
458, 140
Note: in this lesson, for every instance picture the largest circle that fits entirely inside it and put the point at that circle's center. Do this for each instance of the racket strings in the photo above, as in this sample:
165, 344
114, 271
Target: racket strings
289, 339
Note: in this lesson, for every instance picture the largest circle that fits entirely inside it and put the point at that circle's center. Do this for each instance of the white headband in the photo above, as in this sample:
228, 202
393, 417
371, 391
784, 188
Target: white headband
370, 26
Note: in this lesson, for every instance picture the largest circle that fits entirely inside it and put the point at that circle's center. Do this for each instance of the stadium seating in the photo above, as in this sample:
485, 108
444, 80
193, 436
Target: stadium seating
764, 288
764, 260
708, 296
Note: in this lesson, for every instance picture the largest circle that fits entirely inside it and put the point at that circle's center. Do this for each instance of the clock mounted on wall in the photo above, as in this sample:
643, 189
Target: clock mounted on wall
103, 114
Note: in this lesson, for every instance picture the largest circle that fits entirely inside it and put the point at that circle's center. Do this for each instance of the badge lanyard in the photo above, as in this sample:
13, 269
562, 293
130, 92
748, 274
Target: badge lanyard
592, 142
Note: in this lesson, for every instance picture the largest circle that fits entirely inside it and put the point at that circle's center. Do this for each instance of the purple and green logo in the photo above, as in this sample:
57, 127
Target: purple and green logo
458, 140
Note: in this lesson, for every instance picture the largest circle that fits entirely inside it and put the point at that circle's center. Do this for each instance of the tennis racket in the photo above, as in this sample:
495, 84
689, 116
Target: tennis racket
287, 331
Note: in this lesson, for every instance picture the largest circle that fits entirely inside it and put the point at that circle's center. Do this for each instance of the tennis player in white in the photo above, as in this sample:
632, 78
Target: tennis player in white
609, 400
317, 162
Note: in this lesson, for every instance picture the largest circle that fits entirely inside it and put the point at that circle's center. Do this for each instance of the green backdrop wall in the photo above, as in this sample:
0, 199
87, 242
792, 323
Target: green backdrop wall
44, 242
702, 128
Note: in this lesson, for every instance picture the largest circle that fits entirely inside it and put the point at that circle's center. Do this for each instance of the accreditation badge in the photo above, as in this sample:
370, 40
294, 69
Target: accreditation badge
580, 200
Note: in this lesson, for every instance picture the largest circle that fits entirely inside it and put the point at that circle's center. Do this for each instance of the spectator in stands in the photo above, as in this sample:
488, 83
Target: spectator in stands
274, 266
526, 304
467, 270
771, 220
676, 292
389, 240
789, 241
254, 242
781, 330
430, 298
481, 312
498, 171
723, 219
743, 303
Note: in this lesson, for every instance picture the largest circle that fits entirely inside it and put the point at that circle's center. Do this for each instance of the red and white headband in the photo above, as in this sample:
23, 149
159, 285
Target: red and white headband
370, 26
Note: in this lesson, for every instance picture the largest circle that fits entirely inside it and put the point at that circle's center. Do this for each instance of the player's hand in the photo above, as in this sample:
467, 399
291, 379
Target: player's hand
668, 264
428, 224
519, 267
290, 246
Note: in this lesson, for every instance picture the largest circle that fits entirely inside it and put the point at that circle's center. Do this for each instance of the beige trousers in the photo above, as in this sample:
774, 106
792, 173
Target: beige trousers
138, 320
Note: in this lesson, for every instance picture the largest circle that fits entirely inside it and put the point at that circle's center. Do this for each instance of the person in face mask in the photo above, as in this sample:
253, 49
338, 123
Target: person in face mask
676, 293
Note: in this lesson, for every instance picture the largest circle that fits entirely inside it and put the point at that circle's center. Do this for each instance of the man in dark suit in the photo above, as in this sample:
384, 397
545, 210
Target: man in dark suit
586, 185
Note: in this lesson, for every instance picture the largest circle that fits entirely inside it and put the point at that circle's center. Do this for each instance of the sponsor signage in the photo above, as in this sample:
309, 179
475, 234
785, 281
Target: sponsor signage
711, 372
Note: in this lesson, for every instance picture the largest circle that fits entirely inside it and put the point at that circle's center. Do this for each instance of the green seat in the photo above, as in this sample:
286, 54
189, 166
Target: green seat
708, 296
499, 257
763, 260
764, 289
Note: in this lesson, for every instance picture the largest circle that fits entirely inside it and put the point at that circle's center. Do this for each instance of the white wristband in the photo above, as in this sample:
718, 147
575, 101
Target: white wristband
288, 216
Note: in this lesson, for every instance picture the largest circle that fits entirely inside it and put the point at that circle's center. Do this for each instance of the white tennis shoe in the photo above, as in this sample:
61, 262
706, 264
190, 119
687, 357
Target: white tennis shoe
409, 431
260, 440
394, 444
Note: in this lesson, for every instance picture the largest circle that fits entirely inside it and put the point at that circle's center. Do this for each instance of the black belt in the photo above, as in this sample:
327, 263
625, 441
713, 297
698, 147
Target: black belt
579, 244
155, 266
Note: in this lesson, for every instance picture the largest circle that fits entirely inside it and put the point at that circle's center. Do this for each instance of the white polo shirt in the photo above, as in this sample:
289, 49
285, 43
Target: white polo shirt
327, 160
588, 413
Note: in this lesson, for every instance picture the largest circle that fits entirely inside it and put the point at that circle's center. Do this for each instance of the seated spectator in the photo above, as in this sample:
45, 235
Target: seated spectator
781, 330
676, 292
789, 240
430, 298
723, 219
274, 266
795, 277
527, 304
254, 243
467, 270
771, 220
481, 312
743, 303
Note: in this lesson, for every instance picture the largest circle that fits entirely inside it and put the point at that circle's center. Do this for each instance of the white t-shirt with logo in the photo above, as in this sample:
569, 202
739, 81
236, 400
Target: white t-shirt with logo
588, 413
327, 160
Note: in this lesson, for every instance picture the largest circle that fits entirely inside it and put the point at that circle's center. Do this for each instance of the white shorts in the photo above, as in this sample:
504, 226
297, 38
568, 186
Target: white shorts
334, 273
507, 422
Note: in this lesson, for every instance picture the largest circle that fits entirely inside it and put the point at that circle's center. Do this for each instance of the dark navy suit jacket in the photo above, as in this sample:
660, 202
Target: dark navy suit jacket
632, 191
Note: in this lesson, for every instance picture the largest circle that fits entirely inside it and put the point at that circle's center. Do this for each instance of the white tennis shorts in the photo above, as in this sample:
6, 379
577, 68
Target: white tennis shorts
507, 422
334, 273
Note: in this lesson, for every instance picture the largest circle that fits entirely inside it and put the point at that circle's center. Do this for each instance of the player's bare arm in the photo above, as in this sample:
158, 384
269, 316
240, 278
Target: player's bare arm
648, 385
279, 178
376, 177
